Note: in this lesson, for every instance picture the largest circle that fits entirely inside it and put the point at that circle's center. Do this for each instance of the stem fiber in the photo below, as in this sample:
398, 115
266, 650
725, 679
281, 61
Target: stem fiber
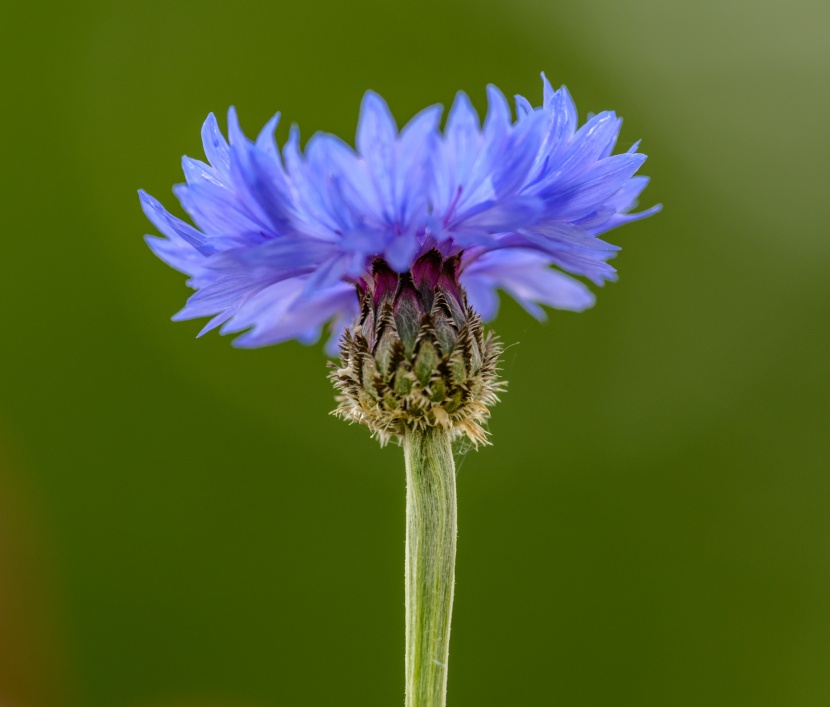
431, 530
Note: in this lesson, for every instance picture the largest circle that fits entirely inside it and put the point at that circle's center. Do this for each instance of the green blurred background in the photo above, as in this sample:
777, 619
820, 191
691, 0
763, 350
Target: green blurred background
181, 523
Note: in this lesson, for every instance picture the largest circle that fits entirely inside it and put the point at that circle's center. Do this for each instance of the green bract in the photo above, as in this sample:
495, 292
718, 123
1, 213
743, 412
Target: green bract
419, 356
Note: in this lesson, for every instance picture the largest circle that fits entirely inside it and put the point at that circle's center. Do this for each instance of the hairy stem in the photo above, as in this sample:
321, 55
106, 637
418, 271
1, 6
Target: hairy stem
431, 529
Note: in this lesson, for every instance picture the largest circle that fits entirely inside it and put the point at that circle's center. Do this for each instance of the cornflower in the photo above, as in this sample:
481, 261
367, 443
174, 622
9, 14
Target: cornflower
400, 247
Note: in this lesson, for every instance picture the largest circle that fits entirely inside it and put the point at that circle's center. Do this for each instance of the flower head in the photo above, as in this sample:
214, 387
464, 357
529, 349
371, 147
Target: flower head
283, 240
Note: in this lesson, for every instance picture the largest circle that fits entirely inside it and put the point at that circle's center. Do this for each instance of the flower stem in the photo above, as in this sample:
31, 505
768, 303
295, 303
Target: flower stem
431, 529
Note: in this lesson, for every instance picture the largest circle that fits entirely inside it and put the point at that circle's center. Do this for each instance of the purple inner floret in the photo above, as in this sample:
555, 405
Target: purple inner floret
281, 239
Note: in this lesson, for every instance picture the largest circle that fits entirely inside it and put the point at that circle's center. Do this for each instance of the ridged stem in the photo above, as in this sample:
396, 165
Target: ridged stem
431, 529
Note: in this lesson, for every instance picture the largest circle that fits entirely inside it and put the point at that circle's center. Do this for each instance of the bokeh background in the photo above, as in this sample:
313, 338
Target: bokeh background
182, 524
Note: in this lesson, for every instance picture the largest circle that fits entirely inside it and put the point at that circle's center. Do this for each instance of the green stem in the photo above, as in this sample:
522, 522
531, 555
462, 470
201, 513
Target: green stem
431, 529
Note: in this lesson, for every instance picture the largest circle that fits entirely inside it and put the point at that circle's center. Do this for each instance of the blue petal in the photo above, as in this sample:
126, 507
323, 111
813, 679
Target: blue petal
561, 115
497, 122
216, 321
415, 166
297, 318
522, 150
481, 296
509, 215
219, 296
523, 106
528, 279
593, 187
216, 210
588, 144
376, 133
265, 140
267, 305
173, 227
327, 274
375, 126
277, 255
258, 181
215, 146
197, 172
462, 137
344, 318
548, 94
623, 218
400, 251
176, 253
572, 237
339, 189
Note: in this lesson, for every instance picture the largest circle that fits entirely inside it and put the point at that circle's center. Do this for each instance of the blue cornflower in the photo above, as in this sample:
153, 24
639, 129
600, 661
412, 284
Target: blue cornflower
284, 240
402, 245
